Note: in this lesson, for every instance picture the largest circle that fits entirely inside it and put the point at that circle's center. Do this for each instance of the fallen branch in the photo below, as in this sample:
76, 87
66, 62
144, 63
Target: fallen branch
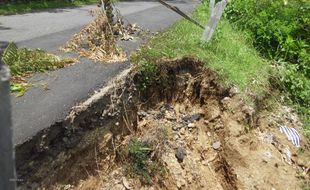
177, 10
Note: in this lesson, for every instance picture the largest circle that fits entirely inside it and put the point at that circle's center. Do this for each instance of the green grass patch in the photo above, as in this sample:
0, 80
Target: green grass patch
230, 52
32, 5
140, 164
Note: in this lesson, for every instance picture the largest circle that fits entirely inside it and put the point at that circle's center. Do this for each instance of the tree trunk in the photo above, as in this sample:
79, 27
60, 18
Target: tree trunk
109, 10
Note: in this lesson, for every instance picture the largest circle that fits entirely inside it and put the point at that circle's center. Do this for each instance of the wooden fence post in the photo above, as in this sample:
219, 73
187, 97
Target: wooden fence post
7, 160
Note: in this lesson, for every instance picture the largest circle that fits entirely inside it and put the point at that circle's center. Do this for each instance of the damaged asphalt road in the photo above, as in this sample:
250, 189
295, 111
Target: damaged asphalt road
39, 108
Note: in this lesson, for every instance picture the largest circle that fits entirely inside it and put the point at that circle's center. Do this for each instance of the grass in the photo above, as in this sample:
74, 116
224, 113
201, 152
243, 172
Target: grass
32, 5
230, 52
139, 154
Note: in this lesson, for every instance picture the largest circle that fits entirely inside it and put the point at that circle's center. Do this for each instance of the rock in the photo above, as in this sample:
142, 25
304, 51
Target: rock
182, 131
126, 184
180, 183
67, 187
248, 110
216, 145
119, 187
191, 125
233, 91
176, 137
142, 113
169, 116
177, 127
180, 154
192, 118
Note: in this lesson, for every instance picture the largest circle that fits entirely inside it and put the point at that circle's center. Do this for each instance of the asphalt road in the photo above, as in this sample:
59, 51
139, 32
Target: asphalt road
39, 108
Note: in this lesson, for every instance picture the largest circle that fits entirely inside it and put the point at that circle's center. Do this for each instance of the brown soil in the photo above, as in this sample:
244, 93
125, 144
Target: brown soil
226, 144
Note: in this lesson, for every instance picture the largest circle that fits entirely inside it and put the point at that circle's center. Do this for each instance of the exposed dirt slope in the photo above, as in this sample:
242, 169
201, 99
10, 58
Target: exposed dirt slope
195, 134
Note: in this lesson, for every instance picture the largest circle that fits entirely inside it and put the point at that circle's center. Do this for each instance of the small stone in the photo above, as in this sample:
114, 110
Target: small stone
180, 154
65, 139
169, 116
191, 125
142, 113
233, 91
126, 184
216, 145
209, 134
176, 137
192, 118
67, 187
182, 131
117, 123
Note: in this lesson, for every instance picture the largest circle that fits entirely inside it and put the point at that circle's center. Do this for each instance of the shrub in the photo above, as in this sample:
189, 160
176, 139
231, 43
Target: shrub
280, 30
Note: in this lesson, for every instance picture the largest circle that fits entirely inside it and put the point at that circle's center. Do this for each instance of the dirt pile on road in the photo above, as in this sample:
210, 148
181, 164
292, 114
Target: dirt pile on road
185, 131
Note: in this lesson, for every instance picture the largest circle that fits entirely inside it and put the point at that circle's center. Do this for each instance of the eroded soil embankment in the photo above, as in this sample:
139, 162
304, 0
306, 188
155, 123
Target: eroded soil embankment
193, 134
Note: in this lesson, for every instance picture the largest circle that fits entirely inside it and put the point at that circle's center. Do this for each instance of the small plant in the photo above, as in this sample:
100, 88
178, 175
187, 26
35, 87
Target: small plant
139, 154
142, 164
148, 72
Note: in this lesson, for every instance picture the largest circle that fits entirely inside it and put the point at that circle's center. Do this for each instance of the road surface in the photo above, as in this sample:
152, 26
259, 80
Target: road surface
38, 108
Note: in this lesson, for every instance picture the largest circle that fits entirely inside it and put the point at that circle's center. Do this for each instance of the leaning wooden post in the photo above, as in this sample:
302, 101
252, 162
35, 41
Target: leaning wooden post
7, 161
216, 14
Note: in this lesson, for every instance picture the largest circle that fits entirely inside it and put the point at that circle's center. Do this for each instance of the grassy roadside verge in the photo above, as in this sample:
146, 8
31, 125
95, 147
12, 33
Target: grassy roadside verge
230, 53
24, 7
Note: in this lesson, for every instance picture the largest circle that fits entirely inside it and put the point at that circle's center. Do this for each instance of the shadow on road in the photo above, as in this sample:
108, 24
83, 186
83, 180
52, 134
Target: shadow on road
4, 27
3, 45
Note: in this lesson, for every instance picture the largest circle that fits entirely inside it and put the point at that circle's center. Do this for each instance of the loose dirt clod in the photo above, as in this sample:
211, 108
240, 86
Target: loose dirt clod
155, 145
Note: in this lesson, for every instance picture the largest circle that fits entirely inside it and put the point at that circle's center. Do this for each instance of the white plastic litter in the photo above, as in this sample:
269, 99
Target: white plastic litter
291, 134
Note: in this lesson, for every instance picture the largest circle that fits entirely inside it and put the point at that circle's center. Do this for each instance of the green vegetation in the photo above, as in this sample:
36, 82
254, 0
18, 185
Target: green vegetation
140, 162
139, 154
33, 5
230, 53
23, 62
281, 32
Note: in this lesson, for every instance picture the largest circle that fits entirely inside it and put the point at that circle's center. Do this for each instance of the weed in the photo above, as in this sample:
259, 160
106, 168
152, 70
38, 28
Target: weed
143, 161
22, 62
148, 72
139, 155
19, 89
